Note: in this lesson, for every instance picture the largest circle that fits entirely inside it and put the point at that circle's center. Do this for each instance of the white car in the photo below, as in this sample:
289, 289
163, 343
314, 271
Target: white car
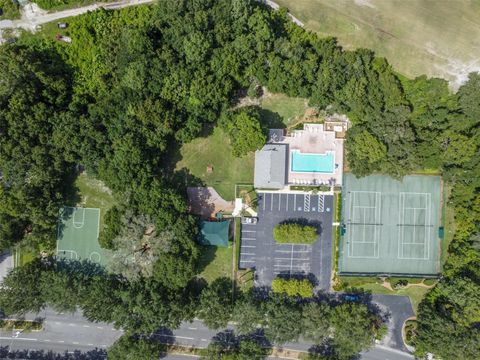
249, 220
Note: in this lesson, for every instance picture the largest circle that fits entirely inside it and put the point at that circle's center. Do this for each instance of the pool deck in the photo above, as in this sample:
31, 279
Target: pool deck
315, 140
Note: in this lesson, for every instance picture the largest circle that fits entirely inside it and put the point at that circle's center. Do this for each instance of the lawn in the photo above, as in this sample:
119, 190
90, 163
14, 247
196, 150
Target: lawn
417, 37
286, 108
94, 194
215, 151
216, 262
415, 293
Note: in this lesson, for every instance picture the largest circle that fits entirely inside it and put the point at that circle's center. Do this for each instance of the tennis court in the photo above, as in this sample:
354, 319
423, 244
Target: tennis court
77, 235
390, 226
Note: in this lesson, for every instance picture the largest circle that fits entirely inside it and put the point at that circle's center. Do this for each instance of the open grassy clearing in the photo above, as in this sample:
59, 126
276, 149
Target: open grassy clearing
373, 284
287, 108
94, 194
216, 262
215, 150
437, 38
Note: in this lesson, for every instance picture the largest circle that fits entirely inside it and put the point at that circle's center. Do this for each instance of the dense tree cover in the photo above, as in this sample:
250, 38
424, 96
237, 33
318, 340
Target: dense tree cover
293, 287
135, 348
229, 347
9, 9
136, 306
135, 83
244, 129
293, 233
141, 307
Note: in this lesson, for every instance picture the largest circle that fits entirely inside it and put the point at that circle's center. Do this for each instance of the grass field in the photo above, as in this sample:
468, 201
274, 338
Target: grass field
287, 108
94, 194
216, 262
415, 293
215, 150
437, 38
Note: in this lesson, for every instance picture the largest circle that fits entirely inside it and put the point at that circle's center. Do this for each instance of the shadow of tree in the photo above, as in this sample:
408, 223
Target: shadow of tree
96, 354
270, 120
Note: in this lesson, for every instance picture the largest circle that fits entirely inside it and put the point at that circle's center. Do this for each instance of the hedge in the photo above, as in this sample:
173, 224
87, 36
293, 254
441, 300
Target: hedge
293, 287
294, 234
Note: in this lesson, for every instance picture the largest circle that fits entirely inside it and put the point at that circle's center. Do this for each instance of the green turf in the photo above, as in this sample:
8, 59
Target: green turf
77, 236
417, 37
215, 150
288, 109
216, 262
402, 217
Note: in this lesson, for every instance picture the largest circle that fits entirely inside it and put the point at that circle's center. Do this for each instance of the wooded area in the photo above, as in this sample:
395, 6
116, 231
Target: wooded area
137, 83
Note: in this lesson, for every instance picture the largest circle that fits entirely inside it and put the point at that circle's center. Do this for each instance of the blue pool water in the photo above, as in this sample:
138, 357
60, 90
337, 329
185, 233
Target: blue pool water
320, 163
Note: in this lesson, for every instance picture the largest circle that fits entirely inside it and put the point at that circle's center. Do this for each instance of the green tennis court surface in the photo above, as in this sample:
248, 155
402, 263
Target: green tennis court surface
389, 226
77, 236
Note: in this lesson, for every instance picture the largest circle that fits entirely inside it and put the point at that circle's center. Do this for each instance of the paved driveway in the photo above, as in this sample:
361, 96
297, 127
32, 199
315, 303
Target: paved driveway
399, 309
260, 251
6, 263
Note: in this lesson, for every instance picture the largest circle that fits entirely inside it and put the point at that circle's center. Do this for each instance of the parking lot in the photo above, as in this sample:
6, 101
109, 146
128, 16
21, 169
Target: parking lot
269, 259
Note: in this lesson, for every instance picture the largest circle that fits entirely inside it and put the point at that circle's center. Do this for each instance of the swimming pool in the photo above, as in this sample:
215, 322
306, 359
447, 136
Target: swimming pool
318, 163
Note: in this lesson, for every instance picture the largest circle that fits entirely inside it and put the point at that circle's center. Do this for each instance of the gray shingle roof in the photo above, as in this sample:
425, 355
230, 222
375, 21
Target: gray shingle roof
270, 166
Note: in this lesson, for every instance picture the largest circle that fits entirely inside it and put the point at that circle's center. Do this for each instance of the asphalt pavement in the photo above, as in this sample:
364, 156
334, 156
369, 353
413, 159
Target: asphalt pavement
270, 259
72, 332
6, 263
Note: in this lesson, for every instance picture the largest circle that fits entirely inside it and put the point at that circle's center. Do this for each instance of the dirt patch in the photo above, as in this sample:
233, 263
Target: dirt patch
206, 202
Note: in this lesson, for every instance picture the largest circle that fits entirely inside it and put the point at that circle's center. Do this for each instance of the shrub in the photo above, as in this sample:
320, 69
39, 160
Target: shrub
410, 332
293, 287
400, 284
294, 234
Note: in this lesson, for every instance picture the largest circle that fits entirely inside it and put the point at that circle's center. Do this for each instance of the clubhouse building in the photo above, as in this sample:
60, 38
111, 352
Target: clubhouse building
310, 157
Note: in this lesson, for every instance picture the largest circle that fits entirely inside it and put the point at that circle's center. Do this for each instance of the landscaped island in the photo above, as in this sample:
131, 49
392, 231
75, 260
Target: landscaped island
294, 234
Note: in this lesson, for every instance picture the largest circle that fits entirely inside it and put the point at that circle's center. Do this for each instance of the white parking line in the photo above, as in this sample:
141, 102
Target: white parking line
294, 202
248, 246
244, 238
241, 254
279, 201
295, 252
286, 207
264, 196
294, 259
244, 261
271, 202
248, 231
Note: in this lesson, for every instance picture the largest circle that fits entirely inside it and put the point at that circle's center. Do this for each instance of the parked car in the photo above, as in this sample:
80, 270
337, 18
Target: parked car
352, 298
249, 220
62, 25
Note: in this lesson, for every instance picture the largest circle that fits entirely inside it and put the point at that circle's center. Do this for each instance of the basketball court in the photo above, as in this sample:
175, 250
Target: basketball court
77, 235
389, 226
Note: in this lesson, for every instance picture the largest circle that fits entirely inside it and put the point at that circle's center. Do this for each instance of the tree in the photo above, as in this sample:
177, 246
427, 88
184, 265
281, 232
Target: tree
247, 315
282, 316
353, 329
135, 347
230, 347
215, 306
365, 153
244, 129
316, 322
138, 246
112, 227
293, 287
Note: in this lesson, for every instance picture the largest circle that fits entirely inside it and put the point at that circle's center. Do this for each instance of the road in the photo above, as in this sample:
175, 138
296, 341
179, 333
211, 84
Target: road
72, 332
62, 332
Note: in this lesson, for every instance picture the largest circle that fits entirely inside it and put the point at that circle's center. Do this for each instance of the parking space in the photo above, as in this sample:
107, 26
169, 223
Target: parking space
269, 259
248, 245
